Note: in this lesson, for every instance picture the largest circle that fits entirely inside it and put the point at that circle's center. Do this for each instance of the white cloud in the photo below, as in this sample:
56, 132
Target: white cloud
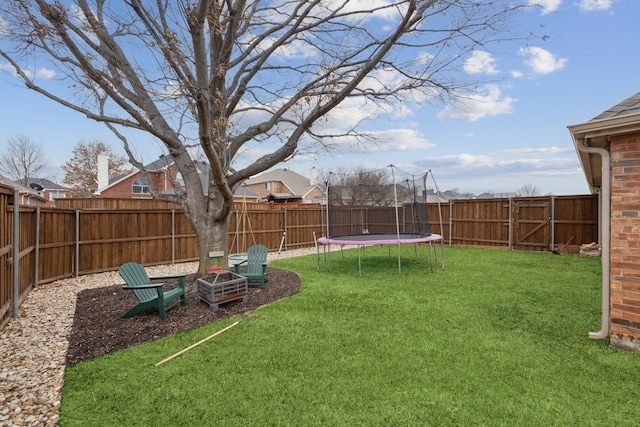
480, 63
380, 141
539, 150
503, 165
4, 28
384, 9
82, 21
499, 173
424, 57
379, 80
6, 67
45, 73
547, 5
399, 140
42, 73
541, 61
295, 49
485, 102
591, 5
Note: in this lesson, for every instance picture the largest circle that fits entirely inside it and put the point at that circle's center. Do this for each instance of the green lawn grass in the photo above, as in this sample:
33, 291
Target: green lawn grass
495, 338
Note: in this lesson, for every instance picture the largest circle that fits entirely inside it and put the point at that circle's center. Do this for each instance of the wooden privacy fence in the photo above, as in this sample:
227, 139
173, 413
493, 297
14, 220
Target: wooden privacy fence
55, 243
522, 223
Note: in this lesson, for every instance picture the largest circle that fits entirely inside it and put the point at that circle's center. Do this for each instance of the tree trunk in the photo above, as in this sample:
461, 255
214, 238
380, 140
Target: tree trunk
213, 240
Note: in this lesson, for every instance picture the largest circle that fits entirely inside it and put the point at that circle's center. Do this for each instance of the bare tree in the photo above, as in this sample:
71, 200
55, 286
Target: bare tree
236, 79
528, 190
81, 171
360, 187
23, 160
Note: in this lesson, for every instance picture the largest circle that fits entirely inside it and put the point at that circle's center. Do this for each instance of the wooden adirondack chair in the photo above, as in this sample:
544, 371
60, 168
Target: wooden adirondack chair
151, 294
255, 266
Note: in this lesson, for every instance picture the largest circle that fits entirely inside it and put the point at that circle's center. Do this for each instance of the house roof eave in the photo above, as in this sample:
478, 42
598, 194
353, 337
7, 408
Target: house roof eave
599, 128
596, 133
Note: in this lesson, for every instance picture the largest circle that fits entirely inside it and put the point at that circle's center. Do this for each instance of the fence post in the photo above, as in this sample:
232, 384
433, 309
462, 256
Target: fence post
510, 239
37, 254
350, 221
553, 223
450, 222
16, 255
77, 242
286, 243
173, 236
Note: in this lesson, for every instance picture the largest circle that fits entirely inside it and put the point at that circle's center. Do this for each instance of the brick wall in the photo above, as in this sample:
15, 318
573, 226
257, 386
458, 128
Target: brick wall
315, 196
625, 241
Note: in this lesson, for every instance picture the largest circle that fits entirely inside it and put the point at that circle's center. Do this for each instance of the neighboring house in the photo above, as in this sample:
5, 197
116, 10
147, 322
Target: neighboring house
487, 195
445, 196
609, 150
26, 196
245, 195
240, 195
284, 185
50, 190
135, 185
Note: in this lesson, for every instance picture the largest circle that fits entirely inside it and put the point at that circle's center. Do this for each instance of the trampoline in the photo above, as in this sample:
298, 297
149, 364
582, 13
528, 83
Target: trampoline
379, 239
362, 240
370, 209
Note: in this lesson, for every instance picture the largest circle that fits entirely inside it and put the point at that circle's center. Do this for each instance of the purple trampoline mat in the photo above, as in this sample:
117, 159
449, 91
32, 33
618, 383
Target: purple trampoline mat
378, 239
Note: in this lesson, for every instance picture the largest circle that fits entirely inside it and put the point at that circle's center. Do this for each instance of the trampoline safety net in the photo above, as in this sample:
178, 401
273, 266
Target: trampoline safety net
382, 201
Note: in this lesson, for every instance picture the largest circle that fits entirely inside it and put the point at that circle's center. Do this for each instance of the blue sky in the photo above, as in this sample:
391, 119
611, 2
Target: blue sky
513, 133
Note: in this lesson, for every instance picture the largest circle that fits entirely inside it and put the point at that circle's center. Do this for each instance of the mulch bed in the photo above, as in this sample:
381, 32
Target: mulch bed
98, 327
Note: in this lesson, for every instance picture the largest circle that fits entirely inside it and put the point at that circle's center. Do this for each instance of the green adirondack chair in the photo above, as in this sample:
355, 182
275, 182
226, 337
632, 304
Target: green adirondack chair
151, 294
254, 268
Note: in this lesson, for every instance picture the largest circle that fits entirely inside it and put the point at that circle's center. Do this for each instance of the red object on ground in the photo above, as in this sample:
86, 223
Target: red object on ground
214, 270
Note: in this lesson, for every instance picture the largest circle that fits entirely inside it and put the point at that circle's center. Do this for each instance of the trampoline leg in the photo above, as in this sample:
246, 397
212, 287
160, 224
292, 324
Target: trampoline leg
431, 256
359, 264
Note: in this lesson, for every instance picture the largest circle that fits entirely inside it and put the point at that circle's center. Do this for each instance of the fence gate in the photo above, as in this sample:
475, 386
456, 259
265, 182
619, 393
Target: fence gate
531, 219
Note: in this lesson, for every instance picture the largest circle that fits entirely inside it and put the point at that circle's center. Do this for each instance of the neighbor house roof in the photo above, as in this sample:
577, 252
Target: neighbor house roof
296, 183
163, 162
9, 183
46, 184
620, 119
22, 190
282, 196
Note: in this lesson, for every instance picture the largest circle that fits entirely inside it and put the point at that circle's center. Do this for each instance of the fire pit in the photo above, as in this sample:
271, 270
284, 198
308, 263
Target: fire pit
222, 286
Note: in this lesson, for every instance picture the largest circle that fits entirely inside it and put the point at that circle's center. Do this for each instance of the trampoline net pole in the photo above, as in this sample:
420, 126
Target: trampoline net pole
395, 197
